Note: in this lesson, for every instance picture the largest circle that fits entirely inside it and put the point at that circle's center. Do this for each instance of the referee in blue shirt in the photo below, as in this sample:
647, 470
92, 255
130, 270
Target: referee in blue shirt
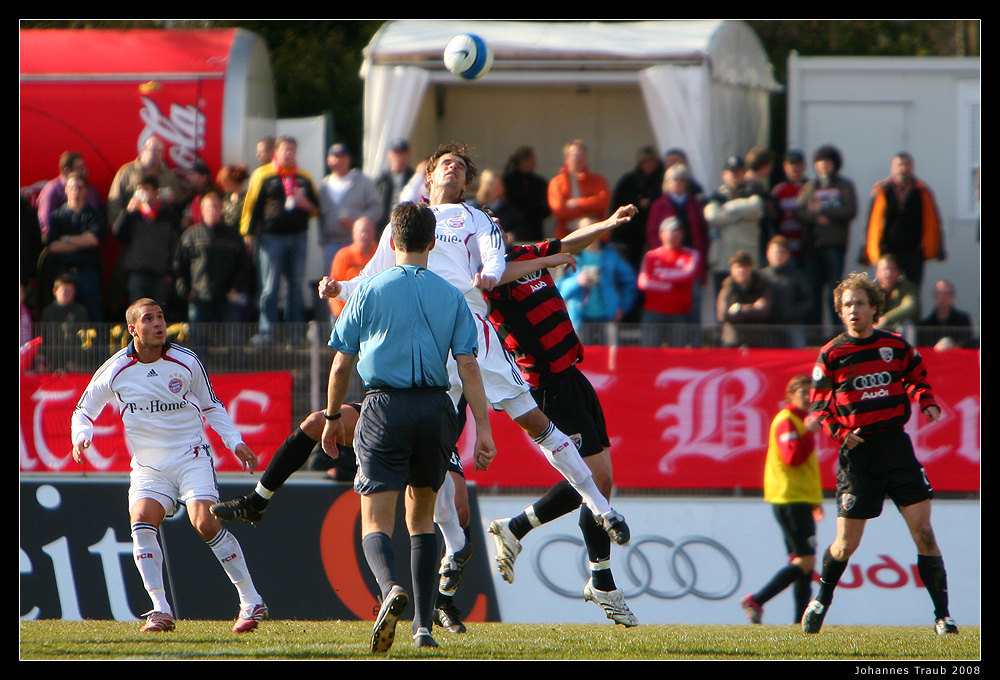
400, 325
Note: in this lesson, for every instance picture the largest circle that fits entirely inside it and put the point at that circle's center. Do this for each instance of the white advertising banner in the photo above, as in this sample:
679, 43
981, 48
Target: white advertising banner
692, 559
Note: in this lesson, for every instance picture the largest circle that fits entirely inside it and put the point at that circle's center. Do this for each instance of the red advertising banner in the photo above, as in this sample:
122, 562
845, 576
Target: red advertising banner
260, 405
102, 93
678, 419
699, 419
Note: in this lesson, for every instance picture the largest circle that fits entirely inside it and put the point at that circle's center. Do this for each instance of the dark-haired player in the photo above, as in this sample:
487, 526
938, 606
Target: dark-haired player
531, 318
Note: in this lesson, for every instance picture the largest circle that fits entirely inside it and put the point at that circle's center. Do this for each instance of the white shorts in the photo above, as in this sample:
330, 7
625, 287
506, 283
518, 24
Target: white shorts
188, 478
502, 378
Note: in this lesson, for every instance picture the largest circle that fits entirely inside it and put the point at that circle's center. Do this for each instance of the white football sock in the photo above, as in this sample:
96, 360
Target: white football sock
446, 517
148, 558
230, 555
563, 455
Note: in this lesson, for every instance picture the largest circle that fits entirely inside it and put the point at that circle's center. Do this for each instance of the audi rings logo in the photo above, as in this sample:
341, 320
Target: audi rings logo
653, 565
866, 382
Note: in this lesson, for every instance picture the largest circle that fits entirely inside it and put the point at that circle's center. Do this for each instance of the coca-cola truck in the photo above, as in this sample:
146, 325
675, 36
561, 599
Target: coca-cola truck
207, 93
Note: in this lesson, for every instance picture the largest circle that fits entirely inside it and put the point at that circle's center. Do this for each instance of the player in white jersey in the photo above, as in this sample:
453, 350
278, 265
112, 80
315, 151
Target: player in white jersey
164, 396
469, 253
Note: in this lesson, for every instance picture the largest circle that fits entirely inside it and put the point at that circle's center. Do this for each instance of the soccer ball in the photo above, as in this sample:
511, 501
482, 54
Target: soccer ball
468, 56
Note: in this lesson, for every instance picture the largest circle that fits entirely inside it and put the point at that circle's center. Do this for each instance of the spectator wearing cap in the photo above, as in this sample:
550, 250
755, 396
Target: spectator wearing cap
345, 196
392, 180
786, 198
827, 206
733, 213
199, 180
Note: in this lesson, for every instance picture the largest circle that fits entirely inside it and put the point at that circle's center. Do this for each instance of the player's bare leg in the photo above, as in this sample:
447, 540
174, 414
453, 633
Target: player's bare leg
849, 533
930, 563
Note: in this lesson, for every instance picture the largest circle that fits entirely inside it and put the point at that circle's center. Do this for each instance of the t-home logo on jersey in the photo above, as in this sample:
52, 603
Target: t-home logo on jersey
156, 406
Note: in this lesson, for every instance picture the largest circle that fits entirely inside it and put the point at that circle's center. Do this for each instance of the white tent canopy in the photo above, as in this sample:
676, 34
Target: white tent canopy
705, 84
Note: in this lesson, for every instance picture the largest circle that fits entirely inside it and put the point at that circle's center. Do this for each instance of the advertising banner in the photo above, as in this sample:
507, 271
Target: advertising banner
305, 557
690, 561
700, 419
260, 405
678, 419
104, 93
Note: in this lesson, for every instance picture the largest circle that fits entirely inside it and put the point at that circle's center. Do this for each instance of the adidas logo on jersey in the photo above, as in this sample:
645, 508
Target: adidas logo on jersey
152, 373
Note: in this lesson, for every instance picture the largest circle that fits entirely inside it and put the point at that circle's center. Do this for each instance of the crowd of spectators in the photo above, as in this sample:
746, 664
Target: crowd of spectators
766, 246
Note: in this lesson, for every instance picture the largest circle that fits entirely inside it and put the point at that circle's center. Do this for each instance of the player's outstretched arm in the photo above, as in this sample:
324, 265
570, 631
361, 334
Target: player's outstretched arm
584, 236
519, 268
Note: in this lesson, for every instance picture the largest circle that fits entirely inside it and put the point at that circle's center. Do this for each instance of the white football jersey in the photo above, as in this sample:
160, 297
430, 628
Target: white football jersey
467, 242
163, 405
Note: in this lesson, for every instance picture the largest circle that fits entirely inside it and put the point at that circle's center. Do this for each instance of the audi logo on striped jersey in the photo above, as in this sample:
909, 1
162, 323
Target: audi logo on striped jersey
864, 382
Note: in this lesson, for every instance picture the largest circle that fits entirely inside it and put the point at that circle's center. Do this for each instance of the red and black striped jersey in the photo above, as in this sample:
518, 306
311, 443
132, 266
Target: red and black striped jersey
531, 318
867, 383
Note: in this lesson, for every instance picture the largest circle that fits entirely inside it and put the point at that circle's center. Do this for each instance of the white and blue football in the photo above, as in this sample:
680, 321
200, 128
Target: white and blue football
468, 56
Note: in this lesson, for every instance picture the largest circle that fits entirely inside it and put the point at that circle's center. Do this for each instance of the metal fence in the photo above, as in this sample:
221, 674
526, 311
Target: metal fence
302, 350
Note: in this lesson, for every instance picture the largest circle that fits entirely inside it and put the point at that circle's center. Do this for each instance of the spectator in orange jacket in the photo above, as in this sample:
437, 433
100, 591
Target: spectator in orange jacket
904, 221
577, 192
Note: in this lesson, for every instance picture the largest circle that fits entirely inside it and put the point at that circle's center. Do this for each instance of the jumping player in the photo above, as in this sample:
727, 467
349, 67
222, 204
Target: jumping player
469, 253
163, 394
531, 318
863, 382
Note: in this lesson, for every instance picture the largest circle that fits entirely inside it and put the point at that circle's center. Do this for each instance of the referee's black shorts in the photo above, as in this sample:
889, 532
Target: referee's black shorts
404, 438
884, 465
570, 402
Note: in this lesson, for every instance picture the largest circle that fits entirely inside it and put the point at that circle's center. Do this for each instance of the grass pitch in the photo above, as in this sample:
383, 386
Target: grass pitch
347, 640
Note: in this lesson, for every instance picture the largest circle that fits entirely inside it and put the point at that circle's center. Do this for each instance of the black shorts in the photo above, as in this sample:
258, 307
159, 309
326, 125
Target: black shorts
570, 402
798, 527
884, 465
404, 438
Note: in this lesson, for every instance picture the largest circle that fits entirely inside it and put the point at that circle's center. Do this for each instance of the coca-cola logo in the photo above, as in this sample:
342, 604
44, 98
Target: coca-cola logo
183, 131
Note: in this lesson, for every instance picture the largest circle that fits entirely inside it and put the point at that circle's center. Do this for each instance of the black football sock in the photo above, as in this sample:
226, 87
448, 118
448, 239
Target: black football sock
381, 559
290, 456
829, 577
560, 499
802, 591
598, 550
932, 573
423, 568
784, 578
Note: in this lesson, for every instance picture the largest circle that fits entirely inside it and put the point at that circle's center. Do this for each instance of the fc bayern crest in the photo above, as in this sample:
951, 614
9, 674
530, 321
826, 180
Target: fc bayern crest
456, 222
175, 385
885, 353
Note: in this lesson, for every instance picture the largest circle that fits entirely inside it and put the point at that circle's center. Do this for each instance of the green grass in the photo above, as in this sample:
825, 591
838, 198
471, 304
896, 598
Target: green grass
331, 640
